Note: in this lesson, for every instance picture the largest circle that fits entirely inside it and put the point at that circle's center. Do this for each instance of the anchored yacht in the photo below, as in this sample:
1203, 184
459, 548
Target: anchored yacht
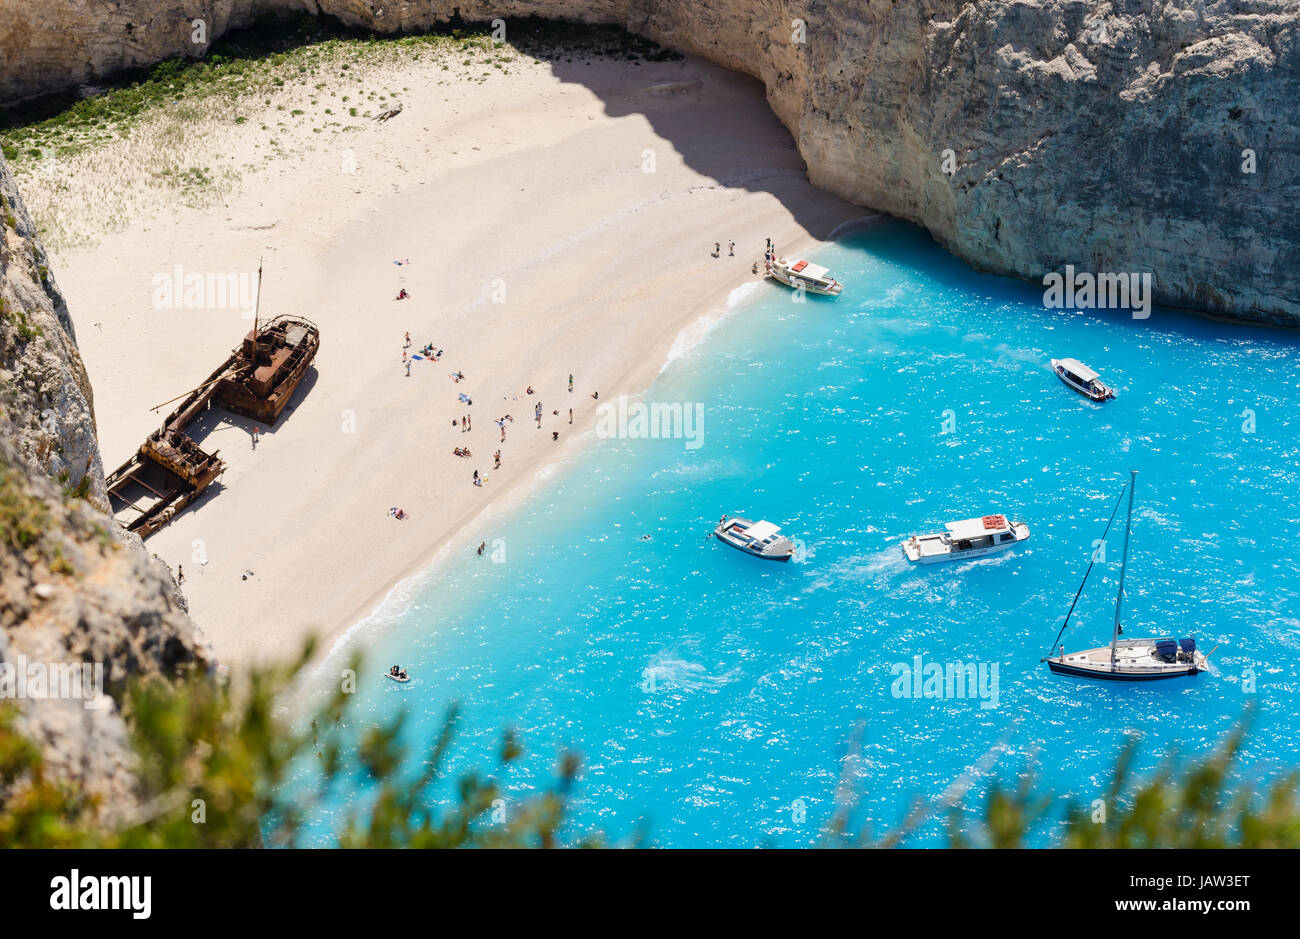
1126, 659
761, 539
800, 273
969, 538
1082, 379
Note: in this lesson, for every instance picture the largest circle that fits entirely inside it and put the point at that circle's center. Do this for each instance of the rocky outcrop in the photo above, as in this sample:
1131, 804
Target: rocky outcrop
75, 590
1114, 135
45, 395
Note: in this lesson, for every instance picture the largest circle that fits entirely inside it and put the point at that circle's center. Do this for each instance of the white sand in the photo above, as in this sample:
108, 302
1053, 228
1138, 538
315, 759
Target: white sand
534, 178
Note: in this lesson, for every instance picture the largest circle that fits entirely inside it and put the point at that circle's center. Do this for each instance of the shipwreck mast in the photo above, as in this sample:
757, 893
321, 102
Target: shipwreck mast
257, 306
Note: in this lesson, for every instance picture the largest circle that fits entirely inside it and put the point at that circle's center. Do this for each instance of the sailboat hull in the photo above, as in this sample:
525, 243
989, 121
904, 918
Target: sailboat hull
1129, 660
1060, 668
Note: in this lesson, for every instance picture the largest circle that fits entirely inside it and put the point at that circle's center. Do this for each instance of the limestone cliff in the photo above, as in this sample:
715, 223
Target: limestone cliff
74, 588
1115, 135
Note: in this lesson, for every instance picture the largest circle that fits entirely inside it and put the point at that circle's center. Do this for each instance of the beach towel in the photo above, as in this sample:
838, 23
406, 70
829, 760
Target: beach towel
418, 358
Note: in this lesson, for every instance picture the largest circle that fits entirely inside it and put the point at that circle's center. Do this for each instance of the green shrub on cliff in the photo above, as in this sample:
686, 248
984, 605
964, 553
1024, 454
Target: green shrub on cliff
212, 758
23, 517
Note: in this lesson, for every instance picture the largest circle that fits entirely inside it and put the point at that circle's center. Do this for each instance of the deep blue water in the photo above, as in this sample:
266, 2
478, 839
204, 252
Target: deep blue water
710, 694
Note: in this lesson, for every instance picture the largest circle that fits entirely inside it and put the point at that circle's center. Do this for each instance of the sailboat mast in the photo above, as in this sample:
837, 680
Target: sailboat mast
1123, 569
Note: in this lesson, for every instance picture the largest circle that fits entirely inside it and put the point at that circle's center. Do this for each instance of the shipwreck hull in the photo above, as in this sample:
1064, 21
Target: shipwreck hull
170, 470
268, 370
149, 490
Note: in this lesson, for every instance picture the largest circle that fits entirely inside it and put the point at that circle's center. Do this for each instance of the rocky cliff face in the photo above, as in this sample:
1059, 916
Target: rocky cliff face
74, 589
1114, 135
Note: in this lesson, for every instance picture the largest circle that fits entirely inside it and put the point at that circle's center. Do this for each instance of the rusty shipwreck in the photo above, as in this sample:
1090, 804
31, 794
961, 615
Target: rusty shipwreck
169, 470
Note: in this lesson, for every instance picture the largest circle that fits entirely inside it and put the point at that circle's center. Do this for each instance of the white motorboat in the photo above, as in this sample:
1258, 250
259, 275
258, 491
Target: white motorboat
1082, 379
969, 538
804, 274
761, 539
400, 676
1126, 659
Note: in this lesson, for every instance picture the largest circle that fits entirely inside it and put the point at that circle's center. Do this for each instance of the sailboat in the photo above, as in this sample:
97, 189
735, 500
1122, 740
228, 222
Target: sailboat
1126, 659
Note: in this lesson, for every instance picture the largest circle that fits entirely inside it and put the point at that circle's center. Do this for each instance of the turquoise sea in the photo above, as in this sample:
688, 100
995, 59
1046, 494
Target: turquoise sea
715, 698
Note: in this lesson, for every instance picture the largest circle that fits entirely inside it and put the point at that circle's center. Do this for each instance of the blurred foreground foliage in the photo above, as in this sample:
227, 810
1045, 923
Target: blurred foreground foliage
213, 758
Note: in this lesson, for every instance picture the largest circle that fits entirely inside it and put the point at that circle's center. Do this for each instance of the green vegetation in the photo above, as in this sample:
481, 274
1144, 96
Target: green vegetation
79, 491
288, 49
24, 329
24, 519
212, 760
1194, 803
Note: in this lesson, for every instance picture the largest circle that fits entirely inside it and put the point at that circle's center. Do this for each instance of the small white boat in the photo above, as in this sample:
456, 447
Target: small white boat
804, 274
1082, 379
401, 677
969, 538
1126, 659
761, 539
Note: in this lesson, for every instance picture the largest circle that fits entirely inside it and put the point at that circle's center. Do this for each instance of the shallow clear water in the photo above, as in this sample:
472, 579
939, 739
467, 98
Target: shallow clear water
711, 694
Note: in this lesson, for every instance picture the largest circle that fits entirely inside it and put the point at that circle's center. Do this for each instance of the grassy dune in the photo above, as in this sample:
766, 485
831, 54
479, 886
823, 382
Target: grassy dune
186, 131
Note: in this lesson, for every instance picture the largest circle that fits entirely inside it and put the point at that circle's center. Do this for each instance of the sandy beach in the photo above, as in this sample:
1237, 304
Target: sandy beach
552, 219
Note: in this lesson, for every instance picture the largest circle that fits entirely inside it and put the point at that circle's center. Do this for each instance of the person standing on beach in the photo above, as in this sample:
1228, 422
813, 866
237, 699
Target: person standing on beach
570, 383
180, 574
482, 545
570, 415
717, 249
497, 456
256, 431
468, 424
731, 249
538, 414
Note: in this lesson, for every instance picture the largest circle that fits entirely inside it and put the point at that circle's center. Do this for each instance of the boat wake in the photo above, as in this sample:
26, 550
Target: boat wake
878, 569
671, 673
989, 560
